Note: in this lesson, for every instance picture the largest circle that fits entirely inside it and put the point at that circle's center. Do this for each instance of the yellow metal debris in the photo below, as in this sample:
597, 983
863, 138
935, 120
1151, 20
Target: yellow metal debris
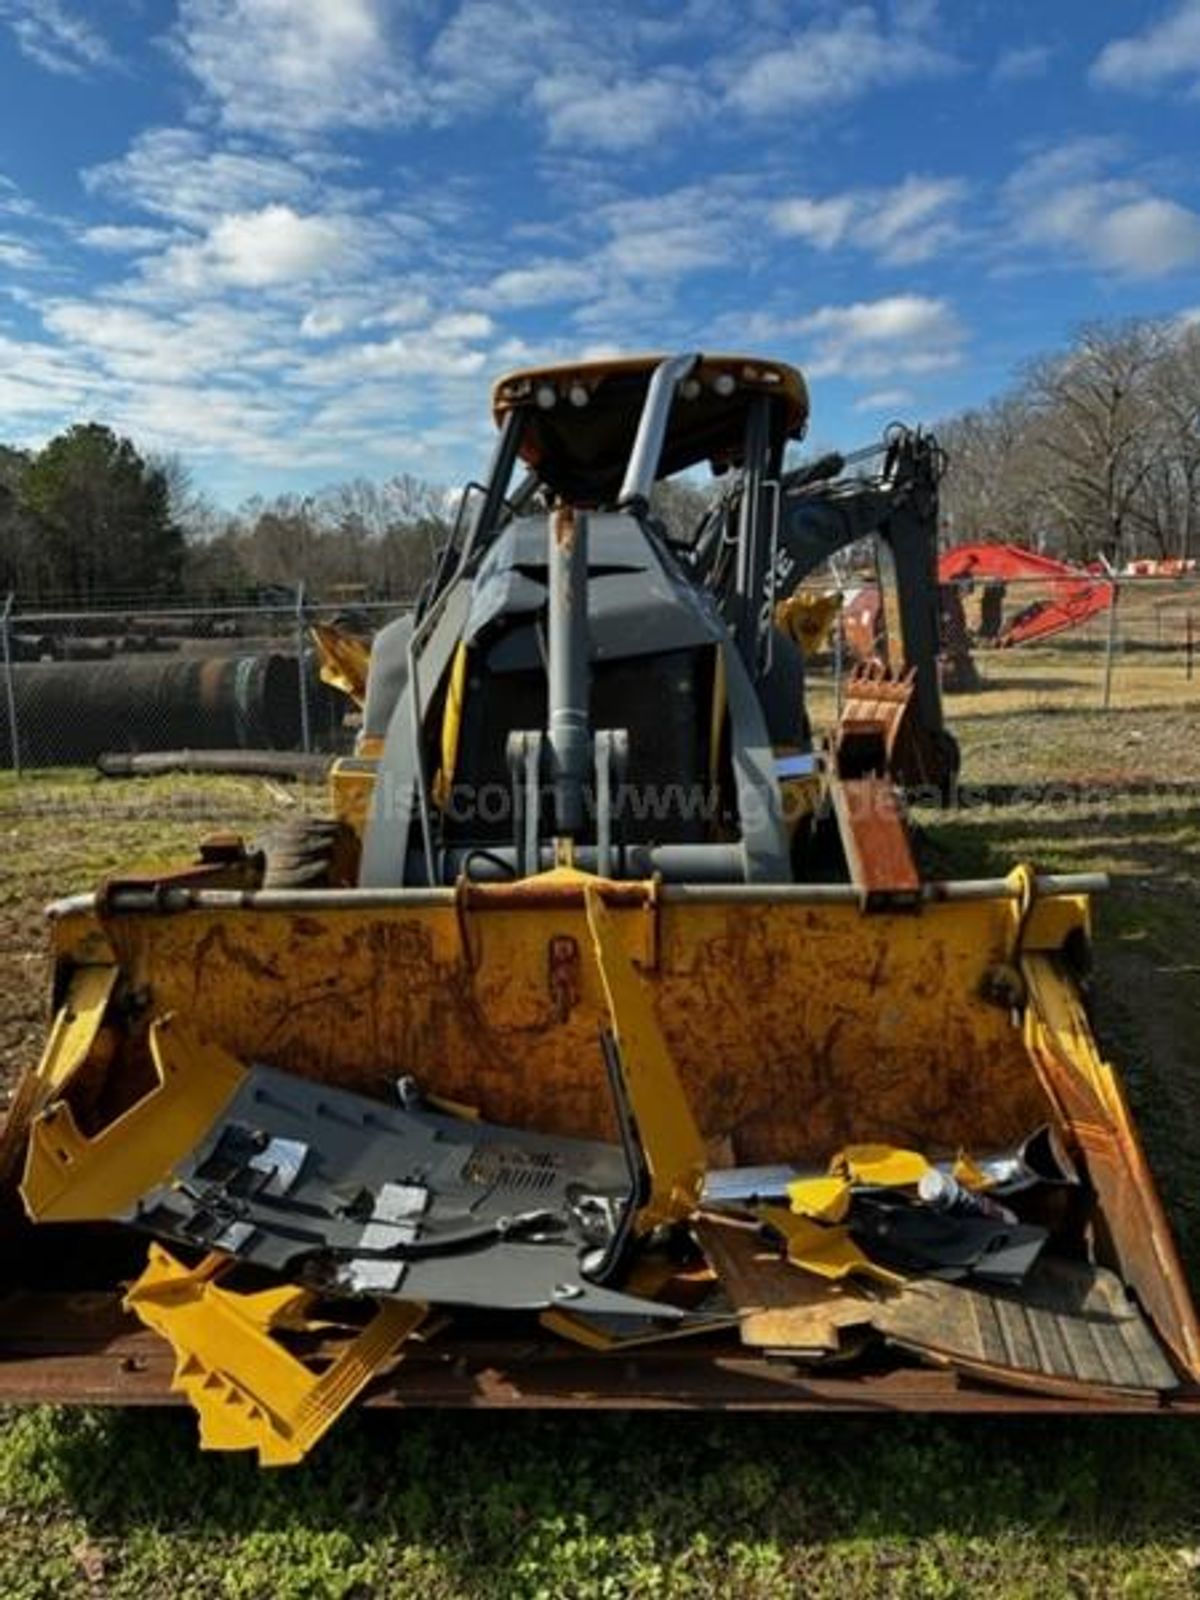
970, 1174
821, 1199
671, 1143
248, 1391
344, 660
75, 1038
71, 1178
829, 1252
809, 619
882, 1164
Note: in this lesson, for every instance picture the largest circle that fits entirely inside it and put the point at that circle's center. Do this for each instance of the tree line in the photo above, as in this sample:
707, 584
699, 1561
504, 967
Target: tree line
89, 520
1095, 451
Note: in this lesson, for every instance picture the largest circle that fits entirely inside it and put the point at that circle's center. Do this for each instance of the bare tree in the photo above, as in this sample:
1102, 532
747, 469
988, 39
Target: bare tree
1174, 400
992, 488
1093, 413
1096, 451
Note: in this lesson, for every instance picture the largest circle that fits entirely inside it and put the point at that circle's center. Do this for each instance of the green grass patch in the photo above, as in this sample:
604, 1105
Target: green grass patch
451, 1505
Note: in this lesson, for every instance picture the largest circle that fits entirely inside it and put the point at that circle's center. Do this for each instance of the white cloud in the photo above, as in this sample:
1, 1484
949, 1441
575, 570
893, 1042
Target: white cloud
1022, 63
1146, 238
260, 249
140, 346
121, 240
295, 66
909, 223
835, 60
493, 50
40, 381
599, 78
425, 353
1167, 50
18, 256
1070, 161
891, 400
323, 322
462, 325
455, 344
822, 223
902, 333
901, 225
403, 310
56, 37
668, 235
209, 419
544, 284
616, 116
577, 67
172, 172
1062, 200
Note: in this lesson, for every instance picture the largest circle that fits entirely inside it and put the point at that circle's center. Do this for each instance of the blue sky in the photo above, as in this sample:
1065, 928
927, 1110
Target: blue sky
294, 240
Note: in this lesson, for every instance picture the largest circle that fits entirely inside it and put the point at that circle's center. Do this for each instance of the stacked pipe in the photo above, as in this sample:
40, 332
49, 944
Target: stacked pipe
68, 712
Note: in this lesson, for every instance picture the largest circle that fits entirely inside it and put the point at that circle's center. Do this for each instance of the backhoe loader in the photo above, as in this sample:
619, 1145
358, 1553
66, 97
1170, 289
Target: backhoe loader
607, 1044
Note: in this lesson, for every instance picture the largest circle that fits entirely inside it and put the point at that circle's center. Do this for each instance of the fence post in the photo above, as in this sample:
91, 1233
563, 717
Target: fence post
838, 623
305, 734
10, 692
1189, 637
1111, 644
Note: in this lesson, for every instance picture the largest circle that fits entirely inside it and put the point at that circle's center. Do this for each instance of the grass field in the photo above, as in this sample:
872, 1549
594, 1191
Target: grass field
496, 1505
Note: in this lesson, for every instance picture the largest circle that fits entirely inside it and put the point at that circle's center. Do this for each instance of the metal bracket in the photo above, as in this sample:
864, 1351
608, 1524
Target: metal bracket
612, 763
671, 1144
248, 1391
524, 753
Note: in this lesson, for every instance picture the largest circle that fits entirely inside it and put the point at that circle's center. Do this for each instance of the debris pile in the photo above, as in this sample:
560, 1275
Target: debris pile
319, 1230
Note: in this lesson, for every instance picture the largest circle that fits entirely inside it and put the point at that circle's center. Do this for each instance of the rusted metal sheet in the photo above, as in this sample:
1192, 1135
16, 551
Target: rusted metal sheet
892, 1041
1091, 1103
75, 1350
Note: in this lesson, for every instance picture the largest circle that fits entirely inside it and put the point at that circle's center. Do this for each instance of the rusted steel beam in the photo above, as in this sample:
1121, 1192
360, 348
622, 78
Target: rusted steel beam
875, 837
79, 1350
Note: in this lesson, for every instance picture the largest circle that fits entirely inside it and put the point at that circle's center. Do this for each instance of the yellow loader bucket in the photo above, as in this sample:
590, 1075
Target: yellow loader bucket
797, 1026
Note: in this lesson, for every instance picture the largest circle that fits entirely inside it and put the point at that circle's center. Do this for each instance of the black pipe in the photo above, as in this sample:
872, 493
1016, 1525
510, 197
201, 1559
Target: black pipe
240, 763
68, 713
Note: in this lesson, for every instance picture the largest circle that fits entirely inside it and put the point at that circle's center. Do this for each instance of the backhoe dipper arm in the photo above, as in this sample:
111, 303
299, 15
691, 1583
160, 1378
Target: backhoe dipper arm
899, 507
822, 515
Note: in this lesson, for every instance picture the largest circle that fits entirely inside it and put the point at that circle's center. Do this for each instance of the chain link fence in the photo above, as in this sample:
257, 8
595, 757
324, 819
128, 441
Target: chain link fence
76, 685
1033, 645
